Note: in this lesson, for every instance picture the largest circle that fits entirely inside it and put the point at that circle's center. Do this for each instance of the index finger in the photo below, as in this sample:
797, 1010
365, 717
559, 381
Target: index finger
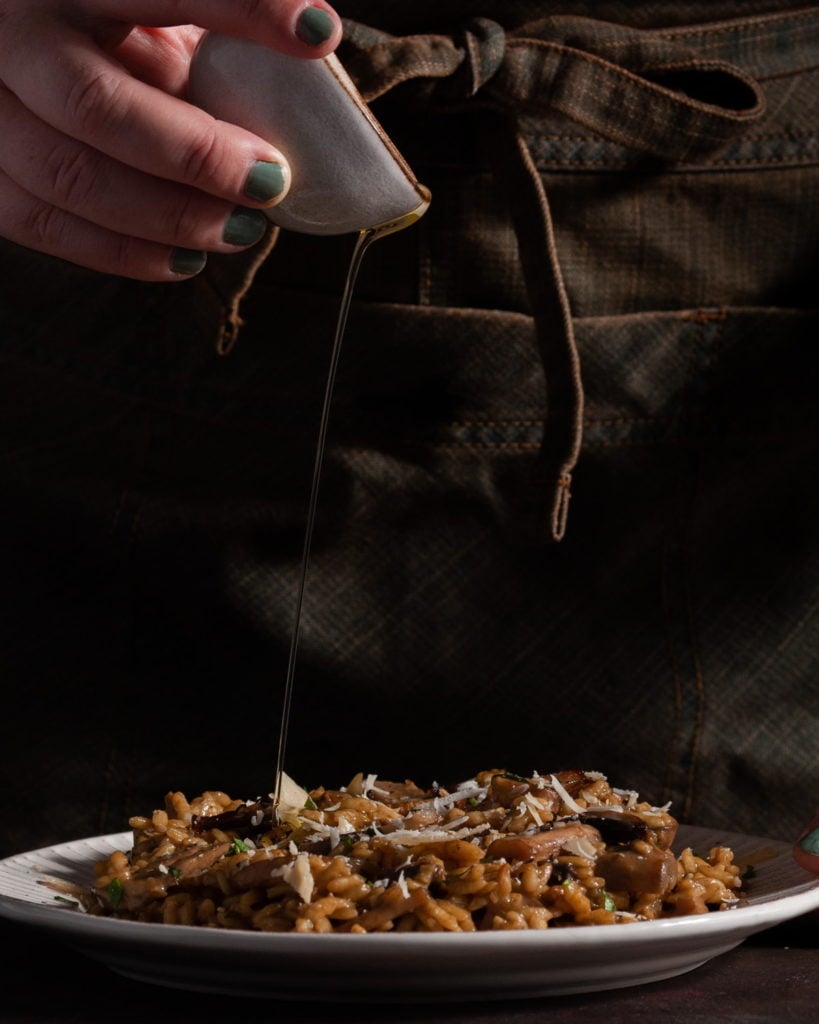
300, 28
82, 91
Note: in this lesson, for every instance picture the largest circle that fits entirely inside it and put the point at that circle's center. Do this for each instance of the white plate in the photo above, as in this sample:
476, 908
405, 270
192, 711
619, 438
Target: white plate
414, 967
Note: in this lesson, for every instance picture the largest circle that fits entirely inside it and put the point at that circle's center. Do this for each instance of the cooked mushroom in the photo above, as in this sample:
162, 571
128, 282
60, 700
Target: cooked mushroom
655, 872
541, 845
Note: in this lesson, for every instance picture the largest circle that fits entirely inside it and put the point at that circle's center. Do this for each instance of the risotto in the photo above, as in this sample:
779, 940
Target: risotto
497, 851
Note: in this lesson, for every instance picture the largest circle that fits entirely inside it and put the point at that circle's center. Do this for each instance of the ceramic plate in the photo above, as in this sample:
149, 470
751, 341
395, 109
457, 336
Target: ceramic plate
415, 967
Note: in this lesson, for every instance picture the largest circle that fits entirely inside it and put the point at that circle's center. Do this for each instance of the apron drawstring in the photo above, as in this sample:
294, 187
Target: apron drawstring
657, 98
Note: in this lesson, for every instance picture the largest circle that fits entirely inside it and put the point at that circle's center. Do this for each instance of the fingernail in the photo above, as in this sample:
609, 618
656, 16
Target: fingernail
315, 26
244, 226
188, 262
266, 181
810, 842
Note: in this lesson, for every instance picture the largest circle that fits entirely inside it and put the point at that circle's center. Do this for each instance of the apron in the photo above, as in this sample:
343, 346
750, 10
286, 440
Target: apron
566, 518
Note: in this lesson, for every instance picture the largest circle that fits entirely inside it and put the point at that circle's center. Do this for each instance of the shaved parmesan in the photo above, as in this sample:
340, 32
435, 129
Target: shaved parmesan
563, 793
534, 806
292, 797
580, 847
413, 837
298, 875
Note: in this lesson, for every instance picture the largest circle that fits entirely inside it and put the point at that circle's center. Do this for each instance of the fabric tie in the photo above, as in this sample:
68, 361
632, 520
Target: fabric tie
629, 86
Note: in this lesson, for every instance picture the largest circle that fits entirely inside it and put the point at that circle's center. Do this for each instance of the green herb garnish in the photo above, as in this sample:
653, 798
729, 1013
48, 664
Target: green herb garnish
608, 902
65, 899
116, 891
237, 846
310, 804
175, 872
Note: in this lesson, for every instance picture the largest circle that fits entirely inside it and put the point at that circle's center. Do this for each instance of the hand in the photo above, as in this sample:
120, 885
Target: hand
103, 162
806, 848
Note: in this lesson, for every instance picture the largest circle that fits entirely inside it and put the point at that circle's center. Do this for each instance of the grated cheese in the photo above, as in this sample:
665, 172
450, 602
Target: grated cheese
562, 792
534, 806
298, 875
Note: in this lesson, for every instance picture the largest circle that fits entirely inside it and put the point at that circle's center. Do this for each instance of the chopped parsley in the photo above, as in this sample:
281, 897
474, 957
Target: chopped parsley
175, 872
116, 891
237, 846
608, 902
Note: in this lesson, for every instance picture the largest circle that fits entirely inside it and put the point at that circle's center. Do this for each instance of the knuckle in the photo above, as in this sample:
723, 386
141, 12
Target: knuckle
201, 156
255, 9
184, 221
93, 103
43, 224
72, 176
122, 255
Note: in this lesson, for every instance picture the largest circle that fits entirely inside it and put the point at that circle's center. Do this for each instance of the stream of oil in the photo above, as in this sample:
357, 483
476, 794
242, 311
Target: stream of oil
363, 242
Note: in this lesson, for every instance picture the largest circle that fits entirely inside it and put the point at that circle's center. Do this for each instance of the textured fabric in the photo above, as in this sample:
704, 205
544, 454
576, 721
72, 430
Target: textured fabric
617, 270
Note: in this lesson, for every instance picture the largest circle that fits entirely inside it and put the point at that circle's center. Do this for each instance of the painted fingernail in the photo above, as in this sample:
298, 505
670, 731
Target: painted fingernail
810, 842
315, 26
188, 262
266, 181
244, 226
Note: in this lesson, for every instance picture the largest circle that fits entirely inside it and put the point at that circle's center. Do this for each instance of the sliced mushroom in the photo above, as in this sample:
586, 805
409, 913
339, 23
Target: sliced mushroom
616, 827
539, 846
572, 780
507, 790
202, 858
256, 874
636, 873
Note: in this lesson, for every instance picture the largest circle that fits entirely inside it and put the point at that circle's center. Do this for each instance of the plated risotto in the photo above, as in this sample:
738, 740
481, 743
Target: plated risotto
497, 851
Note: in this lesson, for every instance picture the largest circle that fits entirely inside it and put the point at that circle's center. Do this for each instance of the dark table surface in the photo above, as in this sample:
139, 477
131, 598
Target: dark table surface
772, 978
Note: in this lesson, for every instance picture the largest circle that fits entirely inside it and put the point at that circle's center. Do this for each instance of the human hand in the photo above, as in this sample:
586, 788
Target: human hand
806, 848
103, 161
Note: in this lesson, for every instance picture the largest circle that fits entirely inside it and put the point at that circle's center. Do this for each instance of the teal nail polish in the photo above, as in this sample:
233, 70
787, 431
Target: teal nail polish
810, 842
188, 262
315, 26
244, 226
265, 181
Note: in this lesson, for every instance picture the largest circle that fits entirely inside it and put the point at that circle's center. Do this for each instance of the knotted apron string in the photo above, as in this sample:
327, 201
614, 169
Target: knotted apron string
659, 98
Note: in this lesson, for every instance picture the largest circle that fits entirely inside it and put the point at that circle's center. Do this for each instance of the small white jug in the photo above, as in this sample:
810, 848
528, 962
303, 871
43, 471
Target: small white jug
347, 175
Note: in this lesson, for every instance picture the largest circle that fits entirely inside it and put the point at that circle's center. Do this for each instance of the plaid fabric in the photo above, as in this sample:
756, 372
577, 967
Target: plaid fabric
611, 296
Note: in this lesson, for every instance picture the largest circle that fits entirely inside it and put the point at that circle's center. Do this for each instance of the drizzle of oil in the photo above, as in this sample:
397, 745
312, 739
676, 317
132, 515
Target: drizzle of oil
363, 242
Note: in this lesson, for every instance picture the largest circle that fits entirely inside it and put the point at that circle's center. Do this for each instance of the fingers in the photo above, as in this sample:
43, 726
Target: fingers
112, 169
81, 180
301, 28
87, 96
806, 848
76, 179
37, 225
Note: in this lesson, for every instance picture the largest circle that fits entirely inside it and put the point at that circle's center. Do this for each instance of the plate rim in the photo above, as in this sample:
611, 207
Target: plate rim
420, 967
754, 915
